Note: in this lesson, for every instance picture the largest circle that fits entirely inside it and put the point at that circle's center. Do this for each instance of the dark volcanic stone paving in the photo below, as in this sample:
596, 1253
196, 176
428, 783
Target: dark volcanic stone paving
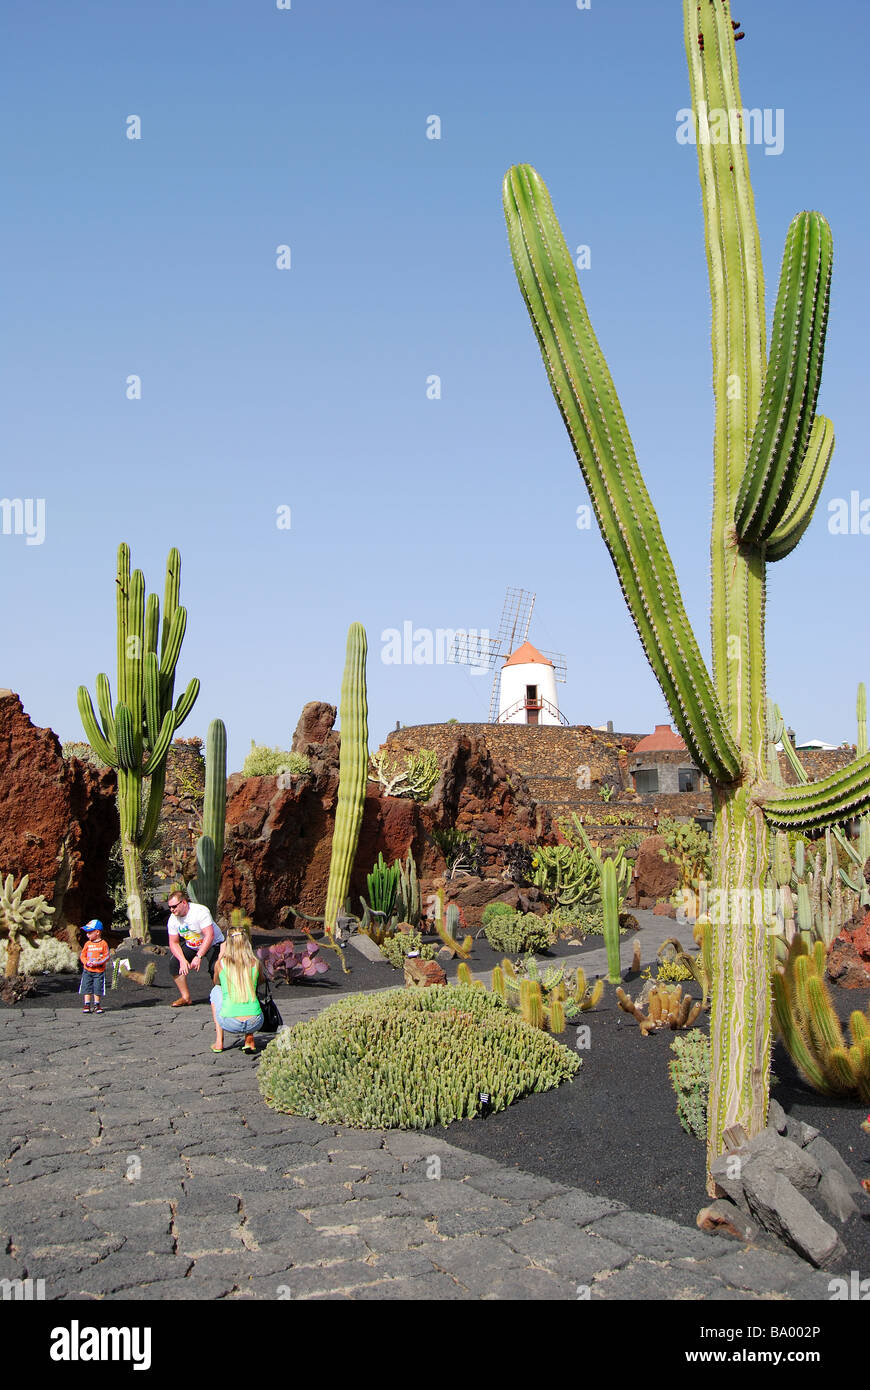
138, 1164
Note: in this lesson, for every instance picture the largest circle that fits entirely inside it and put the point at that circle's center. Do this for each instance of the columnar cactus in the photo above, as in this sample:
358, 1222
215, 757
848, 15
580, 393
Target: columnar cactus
135, 736
352, 772
771, 455
614, 877
210, 845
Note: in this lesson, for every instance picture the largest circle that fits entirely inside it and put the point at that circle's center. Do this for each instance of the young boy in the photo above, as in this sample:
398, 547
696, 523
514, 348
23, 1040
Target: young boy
94, 955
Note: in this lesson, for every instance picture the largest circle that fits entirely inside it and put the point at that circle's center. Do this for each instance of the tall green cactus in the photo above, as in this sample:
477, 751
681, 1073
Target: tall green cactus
771, 454
210, 845
352, 772
136, 735
614, 877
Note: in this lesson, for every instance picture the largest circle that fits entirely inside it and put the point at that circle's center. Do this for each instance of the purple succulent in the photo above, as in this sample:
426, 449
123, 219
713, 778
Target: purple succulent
283, 962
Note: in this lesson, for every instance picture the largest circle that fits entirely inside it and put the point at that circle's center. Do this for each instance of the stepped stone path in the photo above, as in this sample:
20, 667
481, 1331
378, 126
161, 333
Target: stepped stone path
137, 1164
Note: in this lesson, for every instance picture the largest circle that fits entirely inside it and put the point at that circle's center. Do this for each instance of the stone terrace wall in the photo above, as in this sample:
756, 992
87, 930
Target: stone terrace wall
534, 750
551, 759
181, 816
819, 762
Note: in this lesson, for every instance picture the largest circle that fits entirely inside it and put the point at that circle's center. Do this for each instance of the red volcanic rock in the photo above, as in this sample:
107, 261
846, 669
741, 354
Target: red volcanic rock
421, 974
314, 732
849, 957
279, 841
665, 910
653, 877
59, 819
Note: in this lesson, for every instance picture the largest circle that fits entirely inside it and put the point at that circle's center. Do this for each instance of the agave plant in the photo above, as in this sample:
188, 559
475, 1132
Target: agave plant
771, 455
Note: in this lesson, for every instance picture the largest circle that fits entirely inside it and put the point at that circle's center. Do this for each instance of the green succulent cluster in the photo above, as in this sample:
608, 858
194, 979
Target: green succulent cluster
690, 1077
263, 761
415, 777
565, 874
522, 931
382, 884
496, 909
687, 846
408, 1059
396, 947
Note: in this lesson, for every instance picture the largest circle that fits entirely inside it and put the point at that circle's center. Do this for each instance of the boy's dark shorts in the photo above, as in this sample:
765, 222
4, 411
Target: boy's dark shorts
208, 961
93, 982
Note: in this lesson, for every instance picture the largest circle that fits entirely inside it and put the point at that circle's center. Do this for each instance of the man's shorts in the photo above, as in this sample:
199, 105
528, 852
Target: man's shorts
208, 960
93, 982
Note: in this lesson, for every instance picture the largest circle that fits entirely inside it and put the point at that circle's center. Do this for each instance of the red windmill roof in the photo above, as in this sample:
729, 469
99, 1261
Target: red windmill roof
662, 740
527, 655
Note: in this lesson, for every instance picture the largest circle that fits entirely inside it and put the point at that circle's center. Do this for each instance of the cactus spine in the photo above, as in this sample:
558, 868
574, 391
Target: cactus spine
135, 736
352, 773
771, 454
210, 845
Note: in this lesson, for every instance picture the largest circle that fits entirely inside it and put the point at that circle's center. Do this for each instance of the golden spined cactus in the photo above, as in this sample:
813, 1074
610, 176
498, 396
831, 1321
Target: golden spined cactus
811, 1031
449, 932
667, 1007
532, 1003
582, 996
675, 964
143, 977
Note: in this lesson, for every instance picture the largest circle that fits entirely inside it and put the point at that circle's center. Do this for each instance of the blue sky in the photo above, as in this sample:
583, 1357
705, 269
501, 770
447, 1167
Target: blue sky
306, 388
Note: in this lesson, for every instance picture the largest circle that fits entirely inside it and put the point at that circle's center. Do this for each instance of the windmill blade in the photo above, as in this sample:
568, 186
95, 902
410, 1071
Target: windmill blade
560, 664
493, 697
515, 618
474, 649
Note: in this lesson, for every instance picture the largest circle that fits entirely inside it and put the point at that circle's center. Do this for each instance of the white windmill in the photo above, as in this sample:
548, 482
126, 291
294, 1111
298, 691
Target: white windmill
524, 678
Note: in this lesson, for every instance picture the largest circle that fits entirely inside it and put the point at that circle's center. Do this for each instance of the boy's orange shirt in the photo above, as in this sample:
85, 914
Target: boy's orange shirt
94, 956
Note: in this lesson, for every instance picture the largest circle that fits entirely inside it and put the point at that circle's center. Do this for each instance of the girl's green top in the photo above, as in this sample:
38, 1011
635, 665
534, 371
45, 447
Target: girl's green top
240, 1008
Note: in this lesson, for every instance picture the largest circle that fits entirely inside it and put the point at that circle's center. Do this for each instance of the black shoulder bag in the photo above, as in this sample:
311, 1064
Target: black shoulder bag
272, 1019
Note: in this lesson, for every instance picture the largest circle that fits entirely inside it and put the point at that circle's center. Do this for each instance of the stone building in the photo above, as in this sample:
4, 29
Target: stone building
661, 764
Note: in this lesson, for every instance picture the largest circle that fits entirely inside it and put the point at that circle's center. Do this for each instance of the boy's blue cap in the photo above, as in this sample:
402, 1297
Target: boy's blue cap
93, 925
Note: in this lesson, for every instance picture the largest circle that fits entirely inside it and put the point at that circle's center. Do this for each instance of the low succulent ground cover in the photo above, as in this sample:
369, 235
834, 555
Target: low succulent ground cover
408, 1059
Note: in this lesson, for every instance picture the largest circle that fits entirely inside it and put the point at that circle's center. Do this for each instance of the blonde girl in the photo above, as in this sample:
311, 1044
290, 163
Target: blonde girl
234, 1004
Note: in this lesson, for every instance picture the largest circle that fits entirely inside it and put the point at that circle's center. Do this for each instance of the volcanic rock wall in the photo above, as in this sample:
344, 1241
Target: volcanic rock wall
58, 821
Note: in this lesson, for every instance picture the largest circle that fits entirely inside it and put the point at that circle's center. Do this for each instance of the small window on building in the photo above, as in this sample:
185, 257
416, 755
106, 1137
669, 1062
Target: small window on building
646, 779
532, 693
688, 779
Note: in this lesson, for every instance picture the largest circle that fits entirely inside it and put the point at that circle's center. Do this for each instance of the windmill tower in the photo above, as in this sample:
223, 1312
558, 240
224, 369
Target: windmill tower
524, 678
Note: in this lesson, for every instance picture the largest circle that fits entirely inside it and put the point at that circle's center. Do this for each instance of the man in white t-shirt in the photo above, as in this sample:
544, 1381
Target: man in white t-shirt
193, 938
